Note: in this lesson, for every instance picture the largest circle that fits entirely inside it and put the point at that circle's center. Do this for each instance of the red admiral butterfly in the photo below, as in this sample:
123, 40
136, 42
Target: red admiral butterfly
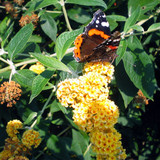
97, 43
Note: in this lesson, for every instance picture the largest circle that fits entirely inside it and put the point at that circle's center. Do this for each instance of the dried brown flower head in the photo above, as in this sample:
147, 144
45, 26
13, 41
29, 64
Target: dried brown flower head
34, 19
9, 93
27, 19
141, 99
9, 7
19, 2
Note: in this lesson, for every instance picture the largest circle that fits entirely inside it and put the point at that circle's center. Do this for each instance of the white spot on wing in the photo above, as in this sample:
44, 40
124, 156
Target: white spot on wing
105, 24
97, 21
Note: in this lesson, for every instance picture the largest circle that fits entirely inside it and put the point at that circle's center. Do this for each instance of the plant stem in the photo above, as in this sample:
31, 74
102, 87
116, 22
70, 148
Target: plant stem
145, 32
63, 131
3, 60
62, 3
2, 7
142, 22
31, 61
43, 109
87, 149
53, 11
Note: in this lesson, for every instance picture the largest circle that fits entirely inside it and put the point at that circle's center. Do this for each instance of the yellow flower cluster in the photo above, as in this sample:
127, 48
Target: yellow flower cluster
13, 147
107, 144
18, 158
31, 138
12, 127
93, 112
37, 68
89, 87
96, 115
16, 147
105, 69
73, 91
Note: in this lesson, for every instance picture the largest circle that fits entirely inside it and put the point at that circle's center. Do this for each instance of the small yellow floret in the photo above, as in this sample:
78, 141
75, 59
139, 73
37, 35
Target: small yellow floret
37, 68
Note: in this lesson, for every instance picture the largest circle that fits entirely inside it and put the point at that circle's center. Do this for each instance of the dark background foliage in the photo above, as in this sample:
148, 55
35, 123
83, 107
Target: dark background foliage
136, 68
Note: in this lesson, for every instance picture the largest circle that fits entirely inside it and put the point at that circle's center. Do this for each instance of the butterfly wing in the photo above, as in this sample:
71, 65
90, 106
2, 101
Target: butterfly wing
106, 51
96, 32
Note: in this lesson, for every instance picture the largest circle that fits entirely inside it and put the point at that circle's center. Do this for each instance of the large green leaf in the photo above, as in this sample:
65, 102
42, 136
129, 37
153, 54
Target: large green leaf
3, 25
19, 41
80, 143
7, 34
112, 23
39, 83
30, 118
121, 50
132, 19
37, 4
51, 62
125, 85
36, 39
155, 26
65, 40
49, 26
145, 5
79, 15
137, 28
25, 77
141, 72
88, 2
117, 17
51, 143
59, 147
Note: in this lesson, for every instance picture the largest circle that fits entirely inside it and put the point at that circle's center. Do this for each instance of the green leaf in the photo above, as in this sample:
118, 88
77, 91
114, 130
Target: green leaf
79, 142
55, 107
121, 50
49, 26
79, 15
19, 41
65, 40
3, 25
35, 38
88, 2
59, 147
137, 28
30, 118
7, 34
25, 77
39, 83
117, 17
31, 47
132, 19
51, 62
154, 26
146, 5
112, 23
141, 72
125, 85
52, 143
37, 4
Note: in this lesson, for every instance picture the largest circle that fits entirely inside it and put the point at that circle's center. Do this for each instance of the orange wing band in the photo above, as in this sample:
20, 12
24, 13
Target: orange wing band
112, 47
97, 32
78, 43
